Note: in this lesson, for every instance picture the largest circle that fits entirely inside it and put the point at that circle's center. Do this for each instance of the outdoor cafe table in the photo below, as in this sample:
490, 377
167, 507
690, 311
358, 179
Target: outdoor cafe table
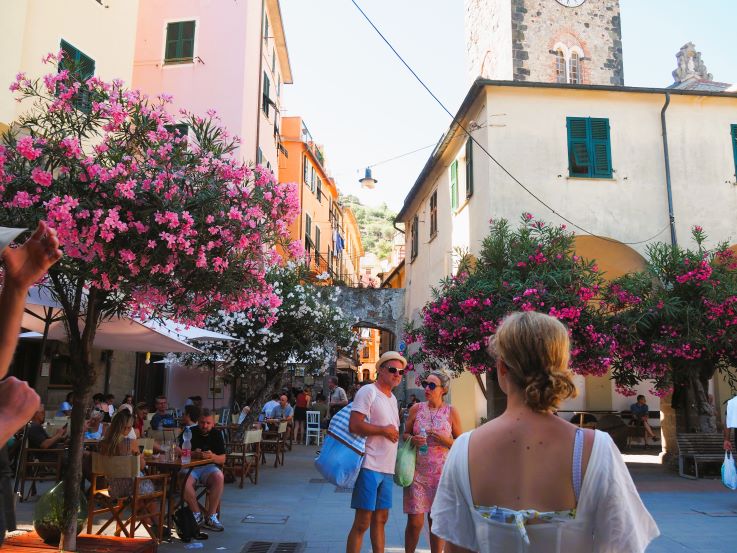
174, 467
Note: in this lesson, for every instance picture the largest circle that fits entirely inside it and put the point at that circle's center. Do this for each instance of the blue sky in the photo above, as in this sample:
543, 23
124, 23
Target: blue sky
365, 107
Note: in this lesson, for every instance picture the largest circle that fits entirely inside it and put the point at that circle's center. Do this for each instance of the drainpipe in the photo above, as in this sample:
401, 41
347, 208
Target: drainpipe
666, 157
260, 79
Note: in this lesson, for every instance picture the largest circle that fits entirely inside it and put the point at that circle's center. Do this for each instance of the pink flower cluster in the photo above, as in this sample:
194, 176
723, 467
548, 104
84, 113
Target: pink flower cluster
175, 227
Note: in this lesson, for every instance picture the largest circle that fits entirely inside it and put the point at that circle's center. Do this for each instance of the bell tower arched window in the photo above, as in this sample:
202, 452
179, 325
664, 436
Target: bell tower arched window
574, 72
560, 67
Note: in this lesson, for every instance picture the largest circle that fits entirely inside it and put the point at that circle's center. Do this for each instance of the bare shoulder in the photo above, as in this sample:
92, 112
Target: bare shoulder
413, 410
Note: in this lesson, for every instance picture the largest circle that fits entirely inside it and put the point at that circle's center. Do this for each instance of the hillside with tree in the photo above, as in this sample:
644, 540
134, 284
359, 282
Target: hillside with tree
376, 224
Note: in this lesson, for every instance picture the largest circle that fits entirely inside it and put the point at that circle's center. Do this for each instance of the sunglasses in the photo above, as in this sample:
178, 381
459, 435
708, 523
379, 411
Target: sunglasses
430, 385
395, 370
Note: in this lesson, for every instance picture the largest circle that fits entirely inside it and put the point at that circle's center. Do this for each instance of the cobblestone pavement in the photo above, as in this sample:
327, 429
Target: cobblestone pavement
286, 507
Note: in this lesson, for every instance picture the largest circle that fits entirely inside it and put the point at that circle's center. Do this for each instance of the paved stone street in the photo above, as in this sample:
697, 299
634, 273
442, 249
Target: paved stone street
692, 515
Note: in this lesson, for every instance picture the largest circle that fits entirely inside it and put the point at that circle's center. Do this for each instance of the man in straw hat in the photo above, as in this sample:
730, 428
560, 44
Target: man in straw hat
22, 268
372, 494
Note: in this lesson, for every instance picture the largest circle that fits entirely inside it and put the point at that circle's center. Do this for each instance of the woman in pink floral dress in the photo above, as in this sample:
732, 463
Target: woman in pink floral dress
442, 424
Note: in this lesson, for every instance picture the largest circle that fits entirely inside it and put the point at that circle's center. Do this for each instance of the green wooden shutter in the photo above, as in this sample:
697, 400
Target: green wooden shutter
600, 148
308, 226
734, 147
186, 41
579, 164
317, 241
84, 67
306, 171
469, 168
319, 190
172, 41
454, 185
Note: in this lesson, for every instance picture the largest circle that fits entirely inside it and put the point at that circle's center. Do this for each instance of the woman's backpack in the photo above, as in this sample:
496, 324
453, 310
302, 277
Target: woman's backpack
341, 455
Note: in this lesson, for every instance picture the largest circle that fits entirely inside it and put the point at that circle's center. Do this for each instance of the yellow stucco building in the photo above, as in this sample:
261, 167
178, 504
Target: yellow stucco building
617, 191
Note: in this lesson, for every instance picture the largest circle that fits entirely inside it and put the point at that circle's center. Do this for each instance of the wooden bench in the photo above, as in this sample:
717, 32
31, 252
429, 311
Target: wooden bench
31, 543
701, 448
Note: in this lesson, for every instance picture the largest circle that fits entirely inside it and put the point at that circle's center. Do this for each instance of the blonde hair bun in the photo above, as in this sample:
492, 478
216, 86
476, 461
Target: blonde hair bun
535, 349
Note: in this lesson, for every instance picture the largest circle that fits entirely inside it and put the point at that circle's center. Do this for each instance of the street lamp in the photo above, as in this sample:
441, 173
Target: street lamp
368, 181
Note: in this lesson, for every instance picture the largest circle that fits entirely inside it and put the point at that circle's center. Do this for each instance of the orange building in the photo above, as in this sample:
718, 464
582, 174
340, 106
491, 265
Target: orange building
328, 233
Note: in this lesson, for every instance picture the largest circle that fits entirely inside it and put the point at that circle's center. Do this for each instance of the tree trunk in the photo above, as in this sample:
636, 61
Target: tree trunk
85, 376
668, 429
695, 412
496, 400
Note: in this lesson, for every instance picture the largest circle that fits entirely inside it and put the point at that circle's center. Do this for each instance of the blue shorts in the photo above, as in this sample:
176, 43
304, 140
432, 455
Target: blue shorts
373, 491
201, 474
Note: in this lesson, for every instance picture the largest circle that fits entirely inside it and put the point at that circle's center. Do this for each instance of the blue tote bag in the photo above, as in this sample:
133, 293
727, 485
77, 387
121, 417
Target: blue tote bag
341, 454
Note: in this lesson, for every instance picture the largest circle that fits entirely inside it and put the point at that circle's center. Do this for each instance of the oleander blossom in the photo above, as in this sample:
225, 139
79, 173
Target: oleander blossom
675, 322
530, 268
166, 225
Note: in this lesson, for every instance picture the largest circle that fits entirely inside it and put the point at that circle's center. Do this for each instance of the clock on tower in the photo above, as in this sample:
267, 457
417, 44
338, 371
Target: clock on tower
565, 41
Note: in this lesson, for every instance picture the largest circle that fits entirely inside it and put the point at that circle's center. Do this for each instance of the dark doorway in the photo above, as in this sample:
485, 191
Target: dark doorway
25, 361
150, 379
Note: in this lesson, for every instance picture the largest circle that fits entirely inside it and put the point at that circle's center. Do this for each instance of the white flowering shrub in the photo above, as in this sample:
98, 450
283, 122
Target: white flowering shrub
305, 328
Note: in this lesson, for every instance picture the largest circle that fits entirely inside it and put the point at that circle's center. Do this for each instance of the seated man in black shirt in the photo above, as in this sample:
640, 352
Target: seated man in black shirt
207, 443
37, 436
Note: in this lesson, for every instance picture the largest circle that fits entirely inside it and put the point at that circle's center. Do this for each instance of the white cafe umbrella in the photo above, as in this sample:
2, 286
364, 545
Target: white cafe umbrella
43, 314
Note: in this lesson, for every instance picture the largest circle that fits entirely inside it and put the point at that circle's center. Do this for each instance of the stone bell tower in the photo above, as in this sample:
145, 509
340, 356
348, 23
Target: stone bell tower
566, 41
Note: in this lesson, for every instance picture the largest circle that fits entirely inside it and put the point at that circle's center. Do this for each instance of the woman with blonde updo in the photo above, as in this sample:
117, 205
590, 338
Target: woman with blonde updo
528, 480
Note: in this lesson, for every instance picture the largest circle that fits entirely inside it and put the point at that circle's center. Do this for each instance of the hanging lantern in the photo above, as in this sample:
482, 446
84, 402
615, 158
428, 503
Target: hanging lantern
368, 181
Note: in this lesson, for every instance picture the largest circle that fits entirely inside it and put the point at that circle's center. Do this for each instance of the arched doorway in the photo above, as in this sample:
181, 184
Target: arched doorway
613, 260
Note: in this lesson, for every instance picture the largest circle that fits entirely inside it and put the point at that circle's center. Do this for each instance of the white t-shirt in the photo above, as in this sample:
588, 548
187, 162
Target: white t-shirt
610, 516
381, 410
732, 413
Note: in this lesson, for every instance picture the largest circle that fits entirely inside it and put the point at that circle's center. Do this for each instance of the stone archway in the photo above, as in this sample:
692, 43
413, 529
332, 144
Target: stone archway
377, 308
381, 308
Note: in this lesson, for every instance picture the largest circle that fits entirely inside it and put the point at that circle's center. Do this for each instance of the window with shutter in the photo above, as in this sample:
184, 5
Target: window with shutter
266, 100
434, 214
734, 147
469, 168
313, 177
84, 67
414, 246
318, 193
306, 171
259, 156
179, 42
589, 147
454, 185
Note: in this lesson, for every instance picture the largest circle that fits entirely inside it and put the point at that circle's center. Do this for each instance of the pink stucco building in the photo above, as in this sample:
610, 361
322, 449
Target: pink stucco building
228, 56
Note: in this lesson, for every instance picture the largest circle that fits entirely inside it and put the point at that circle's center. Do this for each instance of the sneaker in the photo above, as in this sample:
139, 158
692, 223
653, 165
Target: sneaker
213, 523
198, 518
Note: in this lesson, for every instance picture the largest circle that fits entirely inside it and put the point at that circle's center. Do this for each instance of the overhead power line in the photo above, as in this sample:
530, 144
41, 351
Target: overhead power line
456, 121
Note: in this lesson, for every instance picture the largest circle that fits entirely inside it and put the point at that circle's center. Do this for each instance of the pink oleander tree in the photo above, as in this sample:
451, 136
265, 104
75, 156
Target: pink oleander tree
676, 324
153, 222
533, 267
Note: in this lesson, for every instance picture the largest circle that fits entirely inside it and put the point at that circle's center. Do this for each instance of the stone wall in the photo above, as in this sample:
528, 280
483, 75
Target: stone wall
595, 26
514, 39
488, 39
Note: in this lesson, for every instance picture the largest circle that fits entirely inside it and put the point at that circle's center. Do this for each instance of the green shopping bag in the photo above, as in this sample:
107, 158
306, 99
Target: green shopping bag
404, 470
